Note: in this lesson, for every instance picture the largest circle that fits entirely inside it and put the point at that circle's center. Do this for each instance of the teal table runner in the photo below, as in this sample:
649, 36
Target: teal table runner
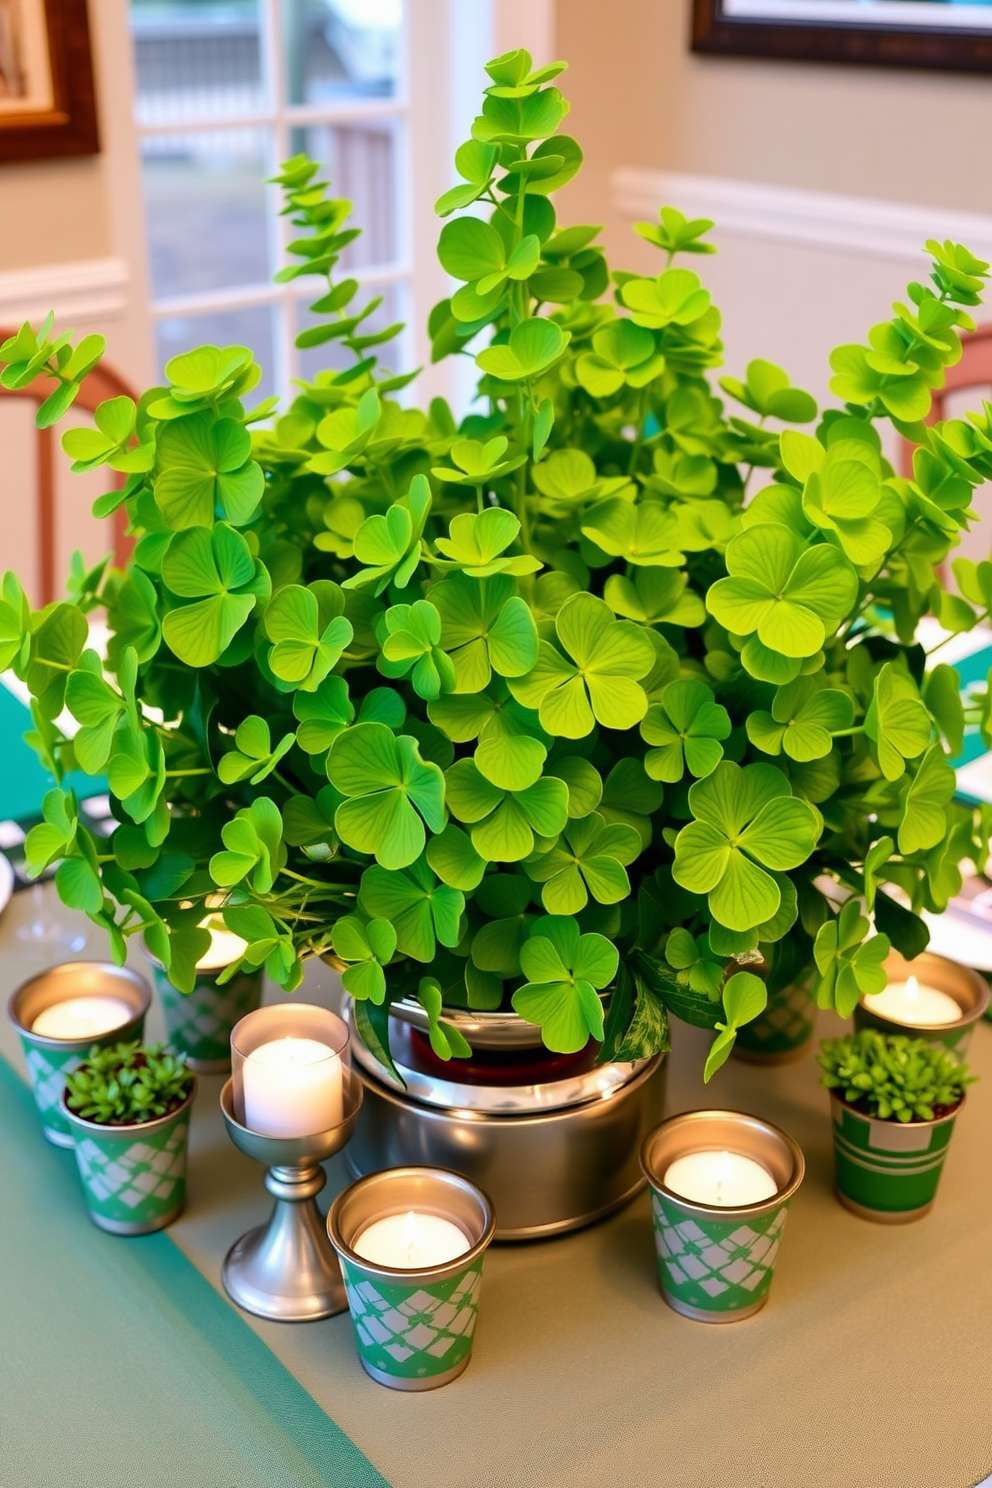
23, 782
123, 1368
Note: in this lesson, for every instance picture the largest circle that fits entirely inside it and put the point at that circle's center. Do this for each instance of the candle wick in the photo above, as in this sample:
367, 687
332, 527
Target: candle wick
912, 989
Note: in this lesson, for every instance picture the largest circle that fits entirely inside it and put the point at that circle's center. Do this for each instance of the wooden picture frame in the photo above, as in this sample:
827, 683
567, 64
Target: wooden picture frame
47, 94
876, 33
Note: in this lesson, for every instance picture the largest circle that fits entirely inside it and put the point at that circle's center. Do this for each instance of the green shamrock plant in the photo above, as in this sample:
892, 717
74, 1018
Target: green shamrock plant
687, 729
565, 971
847, 964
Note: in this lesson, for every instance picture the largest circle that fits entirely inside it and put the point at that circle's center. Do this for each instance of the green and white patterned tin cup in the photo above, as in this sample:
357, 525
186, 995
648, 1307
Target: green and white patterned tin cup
134, 1177
49, 1060
968, 989
414, 1329
715, 1264
200, 1023
782, 1032
888, 1171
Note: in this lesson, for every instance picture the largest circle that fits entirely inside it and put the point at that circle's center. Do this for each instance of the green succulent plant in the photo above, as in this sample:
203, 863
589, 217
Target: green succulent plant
127, 1084
894, 1077
571, 705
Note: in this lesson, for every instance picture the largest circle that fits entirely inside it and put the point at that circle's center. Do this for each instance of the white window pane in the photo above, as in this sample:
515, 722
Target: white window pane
196, 59
332, 356
360, 161
250, 325
340, 49
205, 210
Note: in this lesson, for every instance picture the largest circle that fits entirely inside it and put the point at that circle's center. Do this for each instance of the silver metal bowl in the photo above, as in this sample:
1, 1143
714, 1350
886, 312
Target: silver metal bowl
553, 1155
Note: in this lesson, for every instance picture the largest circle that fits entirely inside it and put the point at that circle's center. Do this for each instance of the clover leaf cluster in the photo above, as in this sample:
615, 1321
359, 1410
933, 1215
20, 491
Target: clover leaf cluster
580, 704
126, 1084
894, 1077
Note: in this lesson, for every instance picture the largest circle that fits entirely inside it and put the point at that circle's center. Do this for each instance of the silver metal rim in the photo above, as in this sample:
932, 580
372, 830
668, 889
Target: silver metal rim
883, 1216
433, 1382
969, 1016
499, 1030
494, 1100
702, 1315
135, 984
700, 1120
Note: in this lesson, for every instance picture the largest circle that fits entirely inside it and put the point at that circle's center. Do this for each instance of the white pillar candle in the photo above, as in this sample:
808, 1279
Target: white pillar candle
411, 1242
912, 1003
720, 1180
293, 1087
83, 1017
224, 947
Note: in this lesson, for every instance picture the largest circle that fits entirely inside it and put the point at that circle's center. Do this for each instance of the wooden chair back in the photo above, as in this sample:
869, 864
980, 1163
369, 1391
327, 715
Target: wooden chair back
102, 383
974, 370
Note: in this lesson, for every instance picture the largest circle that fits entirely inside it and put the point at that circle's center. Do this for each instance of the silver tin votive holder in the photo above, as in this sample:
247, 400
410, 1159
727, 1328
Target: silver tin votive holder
967, 988
413, 1328
49, 1060
715, 1263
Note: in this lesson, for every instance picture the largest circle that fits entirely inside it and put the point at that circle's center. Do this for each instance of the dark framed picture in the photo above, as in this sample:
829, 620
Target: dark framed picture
47, 100
894, 33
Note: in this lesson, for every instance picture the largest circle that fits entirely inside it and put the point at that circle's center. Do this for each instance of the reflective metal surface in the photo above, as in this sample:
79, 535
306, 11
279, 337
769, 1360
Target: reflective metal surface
482, 1030
287, 1270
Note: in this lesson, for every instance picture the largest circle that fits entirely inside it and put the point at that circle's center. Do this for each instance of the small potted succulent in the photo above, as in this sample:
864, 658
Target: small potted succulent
894, 1102
128, 1108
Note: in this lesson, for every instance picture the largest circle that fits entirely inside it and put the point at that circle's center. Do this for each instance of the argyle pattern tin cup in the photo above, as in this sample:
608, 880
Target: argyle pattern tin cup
782, 1031
715, 1265
200, 1022
49, 1060
968, 988
888, 1171
413, 1329
134, 1177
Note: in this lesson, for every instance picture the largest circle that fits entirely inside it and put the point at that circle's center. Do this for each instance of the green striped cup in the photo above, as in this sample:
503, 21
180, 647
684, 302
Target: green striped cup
888, 1171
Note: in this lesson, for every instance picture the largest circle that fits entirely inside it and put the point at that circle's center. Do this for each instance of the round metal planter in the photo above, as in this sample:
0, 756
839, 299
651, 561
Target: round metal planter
554, 1154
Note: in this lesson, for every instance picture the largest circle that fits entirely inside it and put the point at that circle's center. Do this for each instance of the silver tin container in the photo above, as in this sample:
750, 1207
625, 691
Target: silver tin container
552, 1155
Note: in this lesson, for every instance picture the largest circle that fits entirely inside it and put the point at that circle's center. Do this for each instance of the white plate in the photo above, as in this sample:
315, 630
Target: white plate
6, 882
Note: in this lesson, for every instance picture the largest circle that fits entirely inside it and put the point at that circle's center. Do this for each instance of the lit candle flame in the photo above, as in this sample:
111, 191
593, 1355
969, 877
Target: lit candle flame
912, 989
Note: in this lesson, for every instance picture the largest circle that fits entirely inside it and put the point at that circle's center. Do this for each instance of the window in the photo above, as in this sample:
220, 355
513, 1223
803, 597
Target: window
225, 90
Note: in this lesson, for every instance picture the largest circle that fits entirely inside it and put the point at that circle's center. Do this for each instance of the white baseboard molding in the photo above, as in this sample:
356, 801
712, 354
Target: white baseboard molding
815, 219
91, 290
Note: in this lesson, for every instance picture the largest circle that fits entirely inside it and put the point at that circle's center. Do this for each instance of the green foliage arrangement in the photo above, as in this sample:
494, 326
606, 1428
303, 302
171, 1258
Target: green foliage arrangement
127, 1084
894, 1077
571, 706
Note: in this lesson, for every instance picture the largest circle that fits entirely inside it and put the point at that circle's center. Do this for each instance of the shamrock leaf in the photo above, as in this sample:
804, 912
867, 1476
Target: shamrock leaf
346, 432
420, 910
475, 543
805, 714
476, 464
766, 391
445, 1039
342, 518
268, 944
503, 822
623, 355
655, 596
15, 624
472, 250
411, 636
533, 346
629, 796
903, 390
841, 495
55, 835
323, 714
107, 444
746, 823
676, 233
132, 614
923, 822
205, 470
390, 543
486, 627
565, 970
676, 297
784, 592
310, 632
568, 477
213, 567
455, 860
897, 721
98, 708
254, 848
942, 693
645, 535
744, 997
692, 959
136, 771
369, 945
55, 649
253, 757
589, 858
687, 726
596, 679
848, 965
877, 855
203, 376
390, 792
474, 162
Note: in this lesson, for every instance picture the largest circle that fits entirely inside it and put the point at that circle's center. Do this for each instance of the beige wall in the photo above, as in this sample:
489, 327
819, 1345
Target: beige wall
76, 212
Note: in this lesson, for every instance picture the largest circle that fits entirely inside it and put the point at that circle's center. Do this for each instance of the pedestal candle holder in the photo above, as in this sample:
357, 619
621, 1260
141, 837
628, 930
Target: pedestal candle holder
50, 1059
413, 1325
286, 1270
965, 987
715, 1262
